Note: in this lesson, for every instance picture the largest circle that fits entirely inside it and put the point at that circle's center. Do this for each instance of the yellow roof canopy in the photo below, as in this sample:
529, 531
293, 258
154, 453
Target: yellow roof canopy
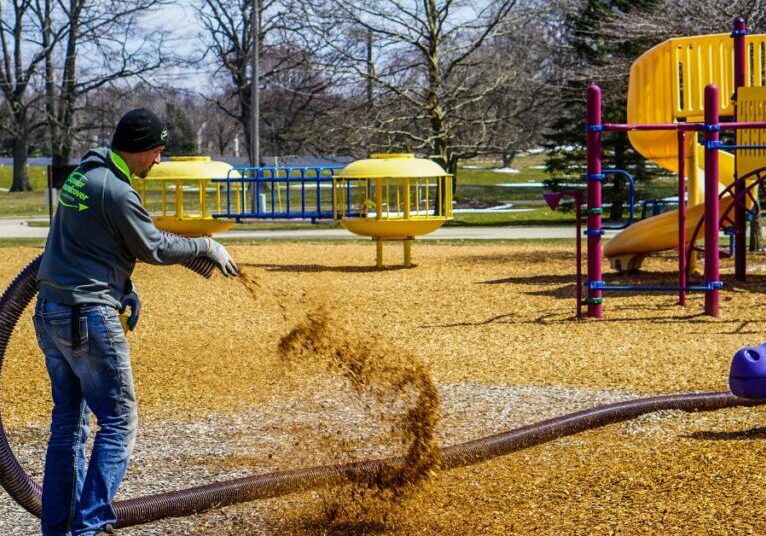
393, 165
191, 168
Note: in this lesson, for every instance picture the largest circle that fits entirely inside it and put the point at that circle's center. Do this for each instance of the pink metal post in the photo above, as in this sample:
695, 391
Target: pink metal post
712, 266
740, 213
593, 142
681, 217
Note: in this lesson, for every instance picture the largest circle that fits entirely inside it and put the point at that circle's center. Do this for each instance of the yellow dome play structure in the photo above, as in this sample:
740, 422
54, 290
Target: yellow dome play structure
392, 197
187, 193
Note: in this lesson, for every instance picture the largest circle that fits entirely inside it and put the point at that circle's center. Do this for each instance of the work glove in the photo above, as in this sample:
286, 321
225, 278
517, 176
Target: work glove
131, 300
218, 254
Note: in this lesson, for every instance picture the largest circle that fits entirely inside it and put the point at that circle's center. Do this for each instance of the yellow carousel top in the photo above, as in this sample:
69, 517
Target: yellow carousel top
190, 168
391, 165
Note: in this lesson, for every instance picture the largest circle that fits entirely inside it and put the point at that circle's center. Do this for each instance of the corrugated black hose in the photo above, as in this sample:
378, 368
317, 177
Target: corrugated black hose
197, 499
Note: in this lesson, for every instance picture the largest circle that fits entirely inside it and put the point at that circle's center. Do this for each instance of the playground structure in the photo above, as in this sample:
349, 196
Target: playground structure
673, 96
386, 197
185, 174
392, 197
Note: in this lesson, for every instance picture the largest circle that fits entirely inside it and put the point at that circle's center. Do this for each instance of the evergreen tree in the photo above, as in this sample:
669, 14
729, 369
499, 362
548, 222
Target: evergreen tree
181, 133
602, 58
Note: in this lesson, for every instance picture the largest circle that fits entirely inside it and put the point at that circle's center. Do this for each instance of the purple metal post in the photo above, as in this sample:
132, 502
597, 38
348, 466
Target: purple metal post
740, 213
712, 265
681, 217
578, 247
593, 142
553, 199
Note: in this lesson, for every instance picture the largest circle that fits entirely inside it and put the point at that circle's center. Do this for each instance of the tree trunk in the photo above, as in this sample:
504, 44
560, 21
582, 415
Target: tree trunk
508, 157
245, 112
62, 147
50, 82
20, 170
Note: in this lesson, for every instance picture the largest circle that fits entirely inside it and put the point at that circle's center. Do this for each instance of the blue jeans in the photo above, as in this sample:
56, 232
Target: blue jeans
95, 376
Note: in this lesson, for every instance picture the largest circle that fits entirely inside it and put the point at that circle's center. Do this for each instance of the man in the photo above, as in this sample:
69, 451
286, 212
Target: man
99, 231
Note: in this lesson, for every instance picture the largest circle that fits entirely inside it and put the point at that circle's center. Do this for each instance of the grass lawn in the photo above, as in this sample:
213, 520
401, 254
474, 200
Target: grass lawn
529, 167
23, 204
37, 177
536, 216
22, 242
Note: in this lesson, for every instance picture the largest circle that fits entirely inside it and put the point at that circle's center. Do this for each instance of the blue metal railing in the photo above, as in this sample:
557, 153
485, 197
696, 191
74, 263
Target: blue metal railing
631, 199
260, 192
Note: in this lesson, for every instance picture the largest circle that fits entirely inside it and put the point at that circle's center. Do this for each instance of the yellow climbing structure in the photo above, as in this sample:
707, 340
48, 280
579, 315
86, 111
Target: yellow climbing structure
667, 85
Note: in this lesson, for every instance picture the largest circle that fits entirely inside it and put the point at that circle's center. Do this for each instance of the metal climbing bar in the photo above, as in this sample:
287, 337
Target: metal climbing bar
631, 198
600, 285
258, 193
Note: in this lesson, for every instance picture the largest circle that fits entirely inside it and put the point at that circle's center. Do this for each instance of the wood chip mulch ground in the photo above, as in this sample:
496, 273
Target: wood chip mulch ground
495, 326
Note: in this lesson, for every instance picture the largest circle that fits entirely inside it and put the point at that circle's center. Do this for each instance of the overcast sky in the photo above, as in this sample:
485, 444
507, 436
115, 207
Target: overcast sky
183, 29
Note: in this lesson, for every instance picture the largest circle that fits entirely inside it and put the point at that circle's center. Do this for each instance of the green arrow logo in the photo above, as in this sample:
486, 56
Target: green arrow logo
79, 206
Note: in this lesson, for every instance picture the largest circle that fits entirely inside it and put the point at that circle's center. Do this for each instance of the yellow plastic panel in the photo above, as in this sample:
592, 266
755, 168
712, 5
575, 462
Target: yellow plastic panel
191, 167
192, 227
751, 107
667, 83
657, 233
392, 229
756, 68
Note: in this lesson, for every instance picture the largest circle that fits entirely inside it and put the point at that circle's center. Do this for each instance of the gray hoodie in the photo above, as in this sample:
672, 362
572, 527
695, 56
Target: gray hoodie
99, 231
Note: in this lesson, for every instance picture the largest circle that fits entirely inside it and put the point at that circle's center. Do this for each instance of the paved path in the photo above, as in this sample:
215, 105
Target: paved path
18, 228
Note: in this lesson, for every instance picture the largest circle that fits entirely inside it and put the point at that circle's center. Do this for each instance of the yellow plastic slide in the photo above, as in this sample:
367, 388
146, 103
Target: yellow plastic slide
667, 85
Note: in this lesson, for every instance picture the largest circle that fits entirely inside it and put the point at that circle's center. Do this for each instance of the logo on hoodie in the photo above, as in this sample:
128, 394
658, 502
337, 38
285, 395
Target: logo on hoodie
72, 195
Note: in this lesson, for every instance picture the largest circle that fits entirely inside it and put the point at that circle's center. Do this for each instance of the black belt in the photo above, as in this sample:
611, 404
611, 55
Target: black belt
75, 327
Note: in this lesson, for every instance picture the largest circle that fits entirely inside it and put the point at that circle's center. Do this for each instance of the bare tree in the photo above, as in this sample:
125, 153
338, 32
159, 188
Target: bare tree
19, 37
105, 44
220, 129
429, 67
299, 93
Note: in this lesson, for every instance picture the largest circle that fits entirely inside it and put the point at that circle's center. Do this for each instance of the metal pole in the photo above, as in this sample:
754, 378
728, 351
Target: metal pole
712, 263
255, 148
682, 217
593, 142
578, 249
50, 195
740, 213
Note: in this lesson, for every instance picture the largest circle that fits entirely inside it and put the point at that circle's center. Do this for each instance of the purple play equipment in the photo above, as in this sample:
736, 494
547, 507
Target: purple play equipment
711, 129
553, 199
747, 376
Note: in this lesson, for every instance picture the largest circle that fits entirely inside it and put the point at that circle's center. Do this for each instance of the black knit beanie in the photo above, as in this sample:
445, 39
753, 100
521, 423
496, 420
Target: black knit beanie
139, 130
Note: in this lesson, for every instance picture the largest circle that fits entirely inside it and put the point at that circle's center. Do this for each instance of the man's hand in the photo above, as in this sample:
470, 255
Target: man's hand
131, 300
218, 254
